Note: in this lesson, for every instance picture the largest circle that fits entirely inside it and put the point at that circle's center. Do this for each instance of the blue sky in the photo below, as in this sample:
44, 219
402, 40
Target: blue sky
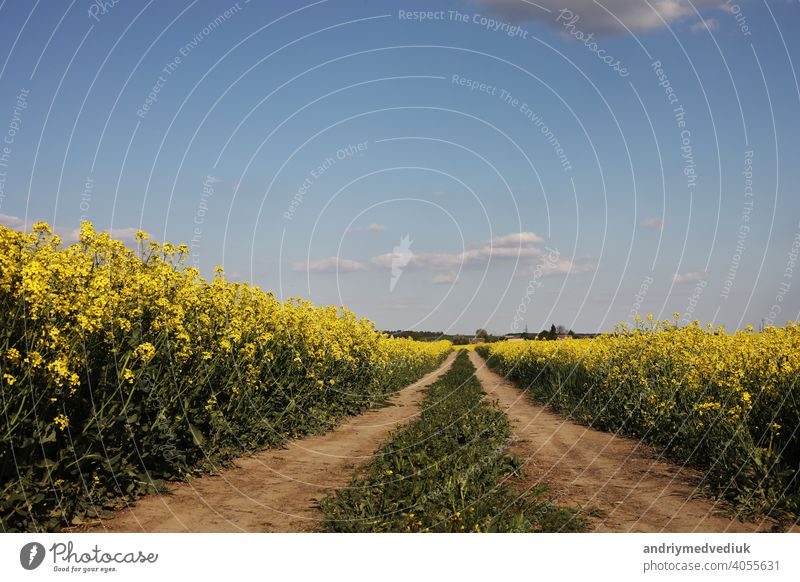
538, 174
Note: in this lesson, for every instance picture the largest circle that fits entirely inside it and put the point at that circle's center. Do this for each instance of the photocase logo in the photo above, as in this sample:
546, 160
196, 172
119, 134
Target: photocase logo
31, 555
401, 256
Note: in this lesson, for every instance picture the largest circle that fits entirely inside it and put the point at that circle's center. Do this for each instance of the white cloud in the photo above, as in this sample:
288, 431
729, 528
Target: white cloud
374, 227
547, 266
504, 247
571, 266
126, 235
653, 223
71, 235
445, 278
68, 235
12, 222
599, 17
516, 239
330, 265
511, 247
708, 24
689, 277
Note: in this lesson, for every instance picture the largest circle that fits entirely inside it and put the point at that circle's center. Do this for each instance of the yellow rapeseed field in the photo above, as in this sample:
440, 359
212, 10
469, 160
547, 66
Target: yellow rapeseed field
119, 368
726, 402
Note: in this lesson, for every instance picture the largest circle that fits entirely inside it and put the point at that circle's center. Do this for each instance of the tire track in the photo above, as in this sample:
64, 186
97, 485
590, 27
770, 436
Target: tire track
616, 480
275, 490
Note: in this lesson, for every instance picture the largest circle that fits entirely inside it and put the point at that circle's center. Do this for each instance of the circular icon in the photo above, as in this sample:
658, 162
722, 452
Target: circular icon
31, 555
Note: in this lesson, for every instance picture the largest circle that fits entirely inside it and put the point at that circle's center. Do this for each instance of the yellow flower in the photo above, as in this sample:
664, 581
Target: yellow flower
83, 303
87, 233
42, 228
211, 403
61, 421
34, 359
144, 352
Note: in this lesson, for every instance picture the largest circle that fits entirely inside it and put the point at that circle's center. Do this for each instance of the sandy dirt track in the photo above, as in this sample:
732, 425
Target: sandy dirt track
628, 487
275, 490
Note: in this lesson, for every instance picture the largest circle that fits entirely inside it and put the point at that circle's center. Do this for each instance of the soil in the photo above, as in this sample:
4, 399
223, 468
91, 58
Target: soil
619, 484
275, 490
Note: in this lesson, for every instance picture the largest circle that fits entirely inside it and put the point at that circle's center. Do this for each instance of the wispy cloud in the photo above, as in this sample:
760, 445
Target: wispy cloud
689, 277
607, 17
516, 238
560, 266
445, 278
505, 247
653, 223
510, 247
375, 227
127, 235
12, 222
70, 235
329, 265
707, 24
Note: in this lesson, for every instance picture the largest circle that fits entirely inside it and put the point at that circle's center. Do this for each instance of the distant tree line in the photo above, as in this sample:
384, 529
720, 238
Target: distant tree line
555, 332
434, 336
424, 336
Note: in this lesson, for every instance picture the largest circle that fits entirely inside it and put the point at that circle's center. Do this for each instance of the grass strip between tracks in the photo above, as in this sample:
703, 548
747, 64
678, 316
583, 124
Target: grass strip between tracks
448, 471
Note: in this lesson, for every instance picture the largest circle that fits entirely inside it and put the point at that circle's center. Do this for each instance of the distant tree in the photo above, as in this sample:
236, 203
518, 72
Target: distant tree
561, 330
482, 334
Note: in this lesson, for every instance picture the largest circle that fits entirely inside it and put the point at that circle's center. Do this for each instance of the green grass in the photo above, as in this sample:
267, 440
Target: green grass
448, 471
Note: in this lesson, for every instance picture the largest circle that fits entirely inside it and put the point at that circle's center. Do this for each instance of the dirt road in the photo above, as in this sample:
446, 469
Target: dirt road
628, 488
275, 490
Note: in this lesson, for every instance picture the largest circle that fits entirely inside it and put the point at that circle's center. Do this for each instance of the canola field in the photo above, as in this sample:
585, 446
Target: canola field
728, 403
121, 368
